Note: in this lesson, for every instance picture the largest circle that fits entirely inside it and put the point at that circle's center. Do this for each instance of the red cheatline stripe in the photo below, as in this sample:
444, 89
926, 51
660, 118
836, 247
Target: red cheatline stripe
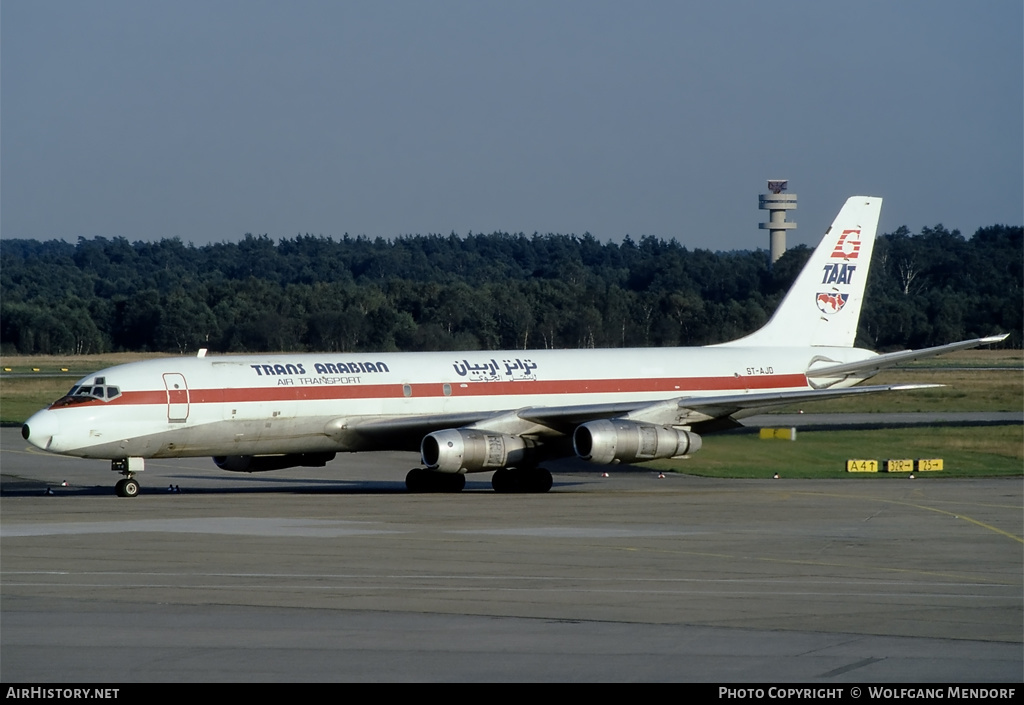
680, 386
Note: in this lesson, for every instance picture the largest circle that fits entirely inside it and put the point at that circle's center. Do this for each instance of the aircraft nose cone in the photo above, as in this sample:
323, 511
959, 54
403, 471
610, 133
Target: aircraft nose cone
40, 429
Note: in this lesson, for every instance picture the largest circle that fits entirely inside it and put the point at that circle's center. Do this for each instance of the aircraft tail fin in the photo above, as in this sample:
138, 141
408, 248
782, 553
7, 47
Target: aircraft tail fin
823, 306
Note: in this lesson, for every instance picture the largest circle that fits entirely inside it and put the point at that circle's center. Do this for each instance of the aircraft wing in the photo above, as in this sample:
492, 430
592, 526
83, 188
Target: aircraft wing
713, 408
561, 420
404, 432
542, 420
866, 368
688, 410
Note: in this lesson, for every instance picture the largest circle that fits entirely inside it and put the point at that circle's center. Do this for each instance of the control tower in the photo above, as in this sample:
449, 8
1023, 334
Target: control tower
777, 203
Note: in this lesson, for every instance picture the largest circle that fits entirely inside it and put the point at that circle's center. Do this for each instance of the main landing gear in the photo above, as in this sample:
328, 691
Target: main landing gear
504, 480
129, 486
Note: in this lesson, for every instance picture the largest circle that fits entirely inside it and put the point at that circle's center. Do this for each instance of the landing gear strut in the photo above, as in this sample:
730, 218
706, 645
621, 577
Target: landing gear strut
128, 487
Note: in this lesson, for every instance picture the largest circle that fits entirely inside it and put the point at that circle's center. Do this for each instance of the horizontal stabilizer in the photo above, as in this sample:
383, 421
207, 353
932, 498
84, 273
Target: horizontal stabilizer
866, 368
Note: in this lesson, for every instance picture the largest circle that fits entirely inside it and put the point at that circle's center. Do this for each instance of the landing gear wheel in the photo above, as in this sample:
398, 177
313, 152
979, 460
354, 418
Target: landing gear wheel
454, 483
540, 481
127, 488
503, 480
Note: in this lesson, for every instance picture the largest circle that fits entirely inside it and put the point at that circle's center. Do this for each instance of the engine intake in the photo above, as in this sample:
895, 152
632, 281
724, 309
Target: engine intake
469, 450
262, 463
619, 441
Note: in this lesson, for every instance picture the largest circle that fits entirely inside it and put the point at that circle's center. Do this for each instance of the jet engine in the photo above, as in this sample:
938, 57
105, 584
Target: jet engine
262, 463
620, 441
470, 450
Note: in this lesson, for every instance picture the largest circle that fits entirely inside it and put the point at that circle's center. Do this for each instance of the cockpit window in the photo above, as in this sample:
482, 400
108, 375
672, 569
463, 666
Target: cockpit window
88, 392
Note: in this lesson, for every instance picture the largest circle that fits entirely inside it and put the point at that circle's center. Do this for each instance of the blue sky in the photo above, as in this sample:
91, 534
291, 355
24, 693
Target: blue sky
208, 120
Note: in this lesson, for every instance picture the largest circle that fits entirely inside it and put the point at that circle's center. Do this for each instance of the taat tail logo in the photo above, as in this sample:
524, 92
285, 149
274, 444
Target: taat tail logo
831, 303
847, 247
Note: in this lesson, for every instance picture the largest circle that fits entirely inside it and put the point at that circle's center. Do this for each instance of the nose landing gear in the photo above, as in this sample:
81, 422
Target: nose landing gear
128, 487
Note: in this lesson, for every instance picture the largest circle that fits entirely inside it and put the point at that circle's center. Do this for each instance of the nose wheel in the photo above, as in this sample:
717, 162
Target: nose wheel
129, 486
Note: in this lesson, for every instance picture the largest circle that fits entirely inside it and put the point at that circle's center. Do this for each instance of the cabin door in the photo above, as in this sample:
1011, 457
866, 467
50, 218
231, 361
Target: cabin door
177, 397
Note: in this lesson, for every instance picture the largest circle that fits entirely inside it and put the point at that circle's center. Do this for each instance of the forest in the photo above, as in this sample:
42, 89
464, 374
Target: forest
493, 291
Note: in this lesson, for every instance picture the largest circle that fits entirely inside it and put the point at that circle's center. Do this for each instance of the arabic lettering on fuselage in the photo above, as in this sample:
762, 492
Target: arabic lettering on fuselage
490, 370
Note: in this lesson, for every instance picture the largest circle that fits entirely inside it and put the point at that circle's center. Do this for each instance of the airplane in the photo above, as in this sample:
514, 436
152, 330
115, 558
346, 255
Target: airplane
504, 412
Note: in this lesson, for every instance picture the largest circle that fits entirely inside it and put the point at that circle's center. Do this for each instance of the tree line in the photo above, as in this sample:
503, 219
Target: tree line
480, 291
